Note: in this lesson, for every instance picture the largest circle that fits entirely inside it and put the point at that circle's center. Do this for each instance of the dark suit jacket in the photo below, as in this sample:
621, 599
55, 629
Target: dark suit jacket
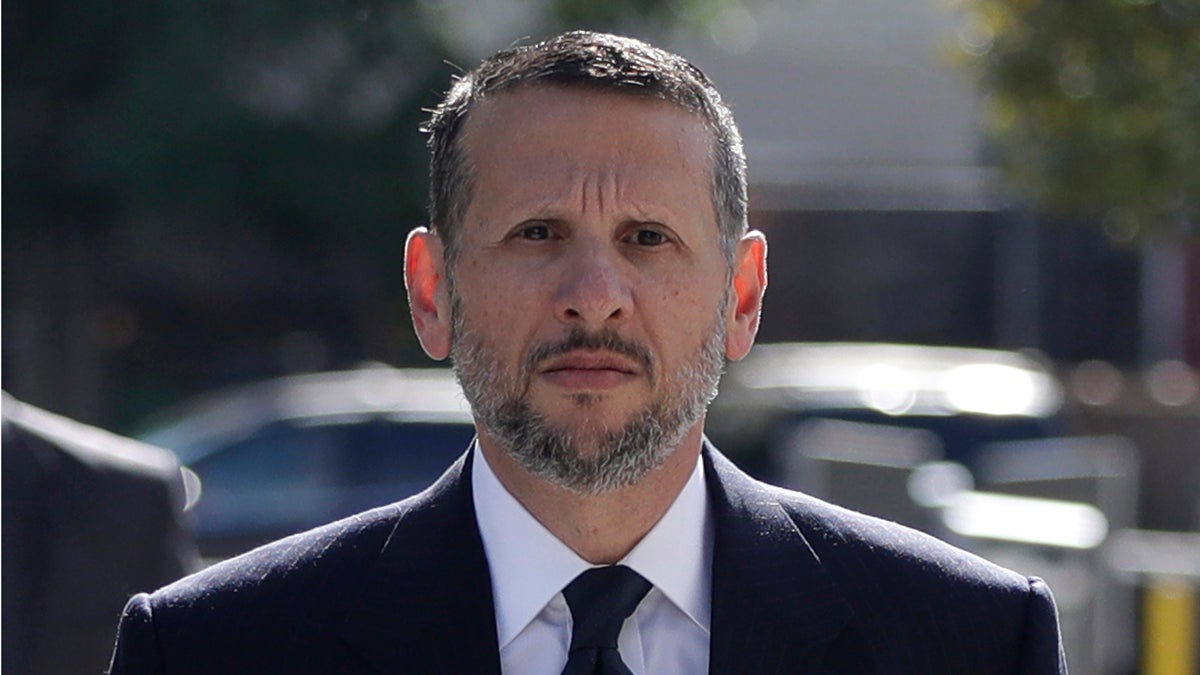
89, 518
799, 586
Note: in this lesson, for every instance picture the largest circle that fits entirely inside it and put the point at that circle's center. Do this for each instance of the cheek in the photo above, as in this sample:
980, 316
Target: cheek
686, 290
485, 312
682, 307
484, 290
497, 306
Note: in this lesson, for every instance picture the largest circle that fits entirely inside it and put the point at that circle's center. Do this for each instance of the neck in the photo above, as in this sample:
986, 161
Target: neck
602, 529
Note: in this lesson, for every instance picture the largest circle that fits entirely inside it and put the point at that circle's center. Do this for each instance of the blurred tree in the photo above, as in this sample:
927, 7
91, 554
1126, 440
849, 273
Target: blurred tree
1095, 106
195, 192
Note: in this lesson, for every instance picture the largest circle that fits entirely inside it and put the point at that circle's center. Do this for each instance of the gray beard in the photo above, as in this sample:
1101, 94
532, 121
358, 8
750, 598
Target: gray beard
618, 458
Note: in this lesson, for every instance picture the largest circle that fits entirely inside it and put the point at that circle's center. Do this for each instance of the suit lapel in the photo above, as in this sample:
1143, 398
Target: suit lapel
775, 608
427, 605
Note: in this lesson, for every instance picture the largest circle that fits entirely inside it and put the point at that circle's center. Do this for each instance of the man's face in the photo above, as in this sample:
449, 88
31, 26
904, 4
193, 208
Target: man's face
590, 293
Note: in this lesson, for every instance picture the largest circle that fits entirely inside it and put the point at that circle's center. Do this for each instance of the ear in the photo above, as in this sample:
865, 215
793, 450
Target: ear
749, 283
428, 298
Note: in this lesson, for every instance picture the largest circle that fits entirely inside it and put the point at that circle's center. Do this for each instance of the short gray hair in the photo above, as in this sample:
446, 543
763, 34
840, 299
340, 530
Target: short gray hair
598, 61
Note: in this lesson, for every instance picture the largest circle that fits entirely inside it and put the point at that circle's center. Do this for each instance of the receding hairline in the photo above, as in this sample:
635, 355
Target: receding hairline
588, 60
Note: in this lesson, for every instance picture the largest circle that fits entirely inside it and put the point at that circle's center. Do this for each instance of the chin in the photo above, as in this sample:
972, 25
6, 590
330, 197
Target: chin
590, 414
586, 399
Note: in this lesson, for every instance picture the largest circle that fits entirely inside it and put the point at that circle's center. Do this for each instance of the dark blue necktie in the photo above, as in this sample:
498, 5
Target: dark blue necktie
600, 600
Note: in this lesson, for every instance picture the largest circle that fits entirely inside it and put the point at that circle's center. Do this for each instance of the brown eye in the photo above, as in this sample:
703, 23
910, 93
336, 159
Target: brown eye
535, 232
649, 238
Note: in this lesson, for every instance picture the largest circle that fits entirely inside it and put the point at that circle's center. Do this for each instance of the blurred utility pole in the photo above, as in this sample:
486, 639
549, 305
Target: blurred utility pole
1164, 321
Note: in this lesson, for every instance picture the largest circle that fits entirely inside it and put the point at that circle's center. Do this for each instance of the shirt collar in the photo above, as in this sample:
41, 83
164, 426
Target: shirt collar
529, 565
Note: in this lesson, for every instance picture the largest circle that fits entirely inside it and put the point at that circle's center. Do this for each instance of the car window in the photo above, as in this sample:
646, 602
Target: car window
961, 436
287, 477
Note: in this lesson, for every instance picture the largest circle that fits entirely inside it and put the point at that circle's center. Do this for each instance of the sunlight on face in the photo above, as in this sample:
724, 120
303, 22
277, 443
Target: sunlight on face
590, 292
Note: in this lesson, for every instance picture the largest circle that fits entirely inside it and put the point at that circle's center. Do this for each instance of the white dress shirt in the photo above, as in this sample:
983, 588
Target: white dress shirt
667, 633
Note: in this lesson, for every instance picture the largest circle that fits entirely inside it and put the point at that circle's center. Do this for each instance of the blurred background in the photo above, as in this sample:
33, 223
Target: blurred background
984, 218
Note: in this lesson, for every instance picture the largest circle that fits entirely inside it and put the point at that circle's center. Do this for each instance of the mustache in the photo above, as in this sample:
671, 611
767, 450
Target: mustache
606, 339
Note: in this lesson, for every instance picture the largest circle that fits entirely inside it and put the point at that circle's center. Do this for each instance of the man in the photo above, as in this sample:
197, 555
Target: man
89, 517
589, 269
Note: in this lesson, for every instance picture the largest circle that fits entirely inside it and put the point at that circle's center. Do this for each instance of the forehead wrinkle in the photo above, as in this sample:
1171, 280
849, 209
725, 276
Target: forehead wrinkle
608, 191
625, 193
602, 183
580, 179
585, 179
603, 190
615, 189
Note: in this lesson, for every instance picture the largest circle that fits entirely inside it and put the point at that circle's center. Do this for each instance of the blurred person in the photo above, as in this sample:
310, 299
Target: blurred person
589, 270
89, 517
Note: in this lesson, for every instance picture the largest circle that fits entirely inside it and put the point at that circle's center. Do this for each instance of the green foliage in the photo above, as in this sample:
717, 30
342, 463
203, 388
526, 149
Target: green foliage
1095, 106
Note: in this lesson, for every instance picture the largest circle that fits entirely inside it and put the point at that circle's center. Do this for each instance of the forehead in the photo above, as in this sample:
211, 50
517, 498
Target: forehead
538, 124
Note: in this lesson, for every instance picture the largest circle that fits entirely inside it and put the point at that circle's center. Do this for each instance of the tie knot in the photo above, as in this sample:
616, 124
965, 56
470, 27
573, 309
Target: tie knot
600, 600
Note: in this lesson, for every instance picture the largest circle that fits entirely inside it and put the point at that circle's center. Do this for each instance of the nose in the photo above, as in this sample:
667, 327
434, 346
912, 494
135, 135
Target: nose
595, 289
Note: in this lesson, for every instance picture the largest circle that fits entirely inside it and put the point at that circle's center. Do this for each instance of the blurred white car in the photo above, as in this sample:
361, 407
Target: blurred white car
966, 397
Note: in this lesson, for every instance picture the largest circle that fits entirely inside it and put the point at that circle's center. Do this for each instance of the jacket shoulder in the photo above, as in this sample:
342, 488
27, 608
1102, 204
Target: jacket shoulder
853, 545
284, 607
321, 556
947, 596
837, 531
905, 594
277, 608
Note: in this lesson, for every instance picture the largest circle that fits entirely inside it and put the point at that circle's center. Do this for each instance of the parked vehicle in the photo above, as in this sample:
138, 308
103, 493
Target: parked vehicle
967, 397
284, 455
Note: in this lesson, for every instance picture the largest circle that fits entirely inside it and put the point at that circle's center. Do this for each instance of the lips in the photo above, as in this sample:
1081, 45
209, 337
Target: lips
589, 370
591, 361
